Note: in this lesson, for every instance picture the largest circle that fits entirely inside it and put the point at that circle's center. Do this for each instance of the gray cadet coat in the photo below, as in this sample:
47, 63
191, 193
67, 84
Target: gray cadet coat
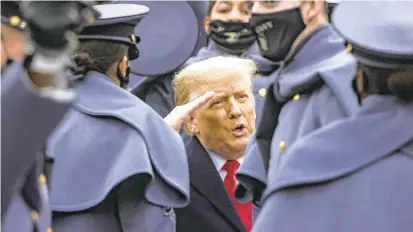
118, 166
28, 116
312, 89
352, 175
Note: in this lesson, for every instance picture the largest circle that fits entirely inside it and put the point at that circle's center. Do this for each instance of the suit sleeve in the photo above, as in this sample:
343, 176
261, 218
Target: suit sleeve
28, 116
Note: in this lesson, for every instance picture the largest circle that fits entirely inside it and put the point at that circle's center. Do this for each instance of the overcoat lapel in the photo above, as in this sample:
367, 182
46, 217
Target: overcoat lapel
205, 178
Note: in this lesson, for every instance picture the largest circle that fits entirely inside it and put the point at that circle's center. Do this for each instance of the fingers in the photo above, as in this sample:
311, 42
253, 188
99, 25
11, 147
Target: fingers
177, 116
197, 103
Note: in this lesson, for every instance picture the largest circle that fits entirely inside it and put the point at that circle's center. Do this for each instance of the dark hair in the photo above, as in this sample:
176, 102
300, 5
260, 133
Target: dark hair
211, 5
98, 55
397, 82
401, 84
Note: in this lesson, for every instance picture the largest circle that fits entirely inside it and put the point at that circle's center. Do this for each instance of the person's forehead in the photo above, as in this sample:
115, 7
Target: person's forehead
242, 3
226, 85
222, 88
266, 7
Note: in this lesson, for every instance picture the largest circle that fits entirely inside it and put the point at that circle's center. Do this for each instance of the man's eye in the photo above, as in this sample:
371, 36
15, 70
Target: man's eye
270, 3
218, 102
223, 9
243, 96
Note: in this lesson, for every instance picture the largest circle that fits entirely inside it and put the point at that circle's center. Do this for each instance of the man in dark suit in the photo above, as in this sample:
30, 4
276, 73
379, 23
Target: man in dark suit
221, 130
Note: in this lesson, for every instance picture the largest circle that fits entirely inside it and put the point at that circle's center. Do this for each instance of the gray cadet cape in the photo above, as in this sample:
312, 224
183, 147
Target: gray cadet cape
118, 166
312, 89
28, 116
356, 173
352, 175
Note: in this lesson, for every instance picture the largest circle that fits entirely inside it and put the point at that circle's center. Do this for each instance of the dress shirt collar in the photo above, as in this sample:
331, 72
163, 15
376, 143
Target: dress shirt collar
218, 161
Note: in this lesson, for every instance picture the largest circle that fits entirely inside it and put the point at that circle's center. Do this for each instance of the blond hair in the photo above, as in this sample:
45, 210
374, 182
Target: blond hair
188, 79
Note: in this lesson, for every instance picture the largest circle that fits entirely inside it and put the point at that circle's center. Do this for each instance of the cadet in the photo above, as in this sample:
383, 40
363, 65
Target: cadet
356, 174
312, 88
227, 26
118, 166
34, 98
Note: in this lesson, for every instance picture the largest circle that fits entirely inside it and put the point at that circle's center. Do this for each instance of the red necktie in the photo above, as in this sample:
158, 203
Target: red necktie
244, 210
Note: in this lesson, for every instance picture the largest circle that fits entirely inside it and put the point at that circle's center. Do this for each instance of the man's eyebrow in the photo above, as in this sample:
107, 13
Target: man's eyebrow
219, 95
224, 2
240, 90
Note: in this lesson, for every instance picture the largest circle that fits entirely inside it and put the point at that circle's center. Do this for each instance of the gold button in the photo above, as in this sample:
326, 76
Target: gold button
133, 38
42, 179
350, 48
35, 215
282, 146
258, 75
15, 20
296, 97
49, 229
262, 92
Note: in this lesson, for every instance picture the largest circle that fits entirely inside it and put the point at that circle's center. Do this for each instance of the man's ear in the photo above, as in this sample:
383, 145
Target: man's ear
207, 20
123, 65
191, 125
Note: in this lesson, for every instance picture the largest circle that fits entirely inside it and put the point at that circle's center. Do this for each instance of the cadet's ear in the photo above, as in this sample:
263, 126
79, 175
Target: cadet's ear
311, 9
191, 125
123, 65
360, 81
207, 20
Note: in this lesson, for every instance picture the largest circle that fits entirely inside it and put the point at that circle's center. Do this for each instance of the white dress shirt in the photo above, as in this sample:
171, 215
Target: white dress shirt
219, 162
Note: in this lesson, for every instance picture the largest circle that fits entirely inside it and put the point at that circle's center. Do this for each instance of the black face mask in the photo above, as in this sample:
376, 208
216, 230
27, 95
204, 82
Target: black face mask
234, 36
277, 32
124, 80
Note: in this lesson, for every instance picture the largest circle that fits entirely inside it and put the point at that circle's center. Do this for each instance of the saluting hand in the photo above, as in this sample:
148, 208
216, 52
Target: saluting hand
180, 113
